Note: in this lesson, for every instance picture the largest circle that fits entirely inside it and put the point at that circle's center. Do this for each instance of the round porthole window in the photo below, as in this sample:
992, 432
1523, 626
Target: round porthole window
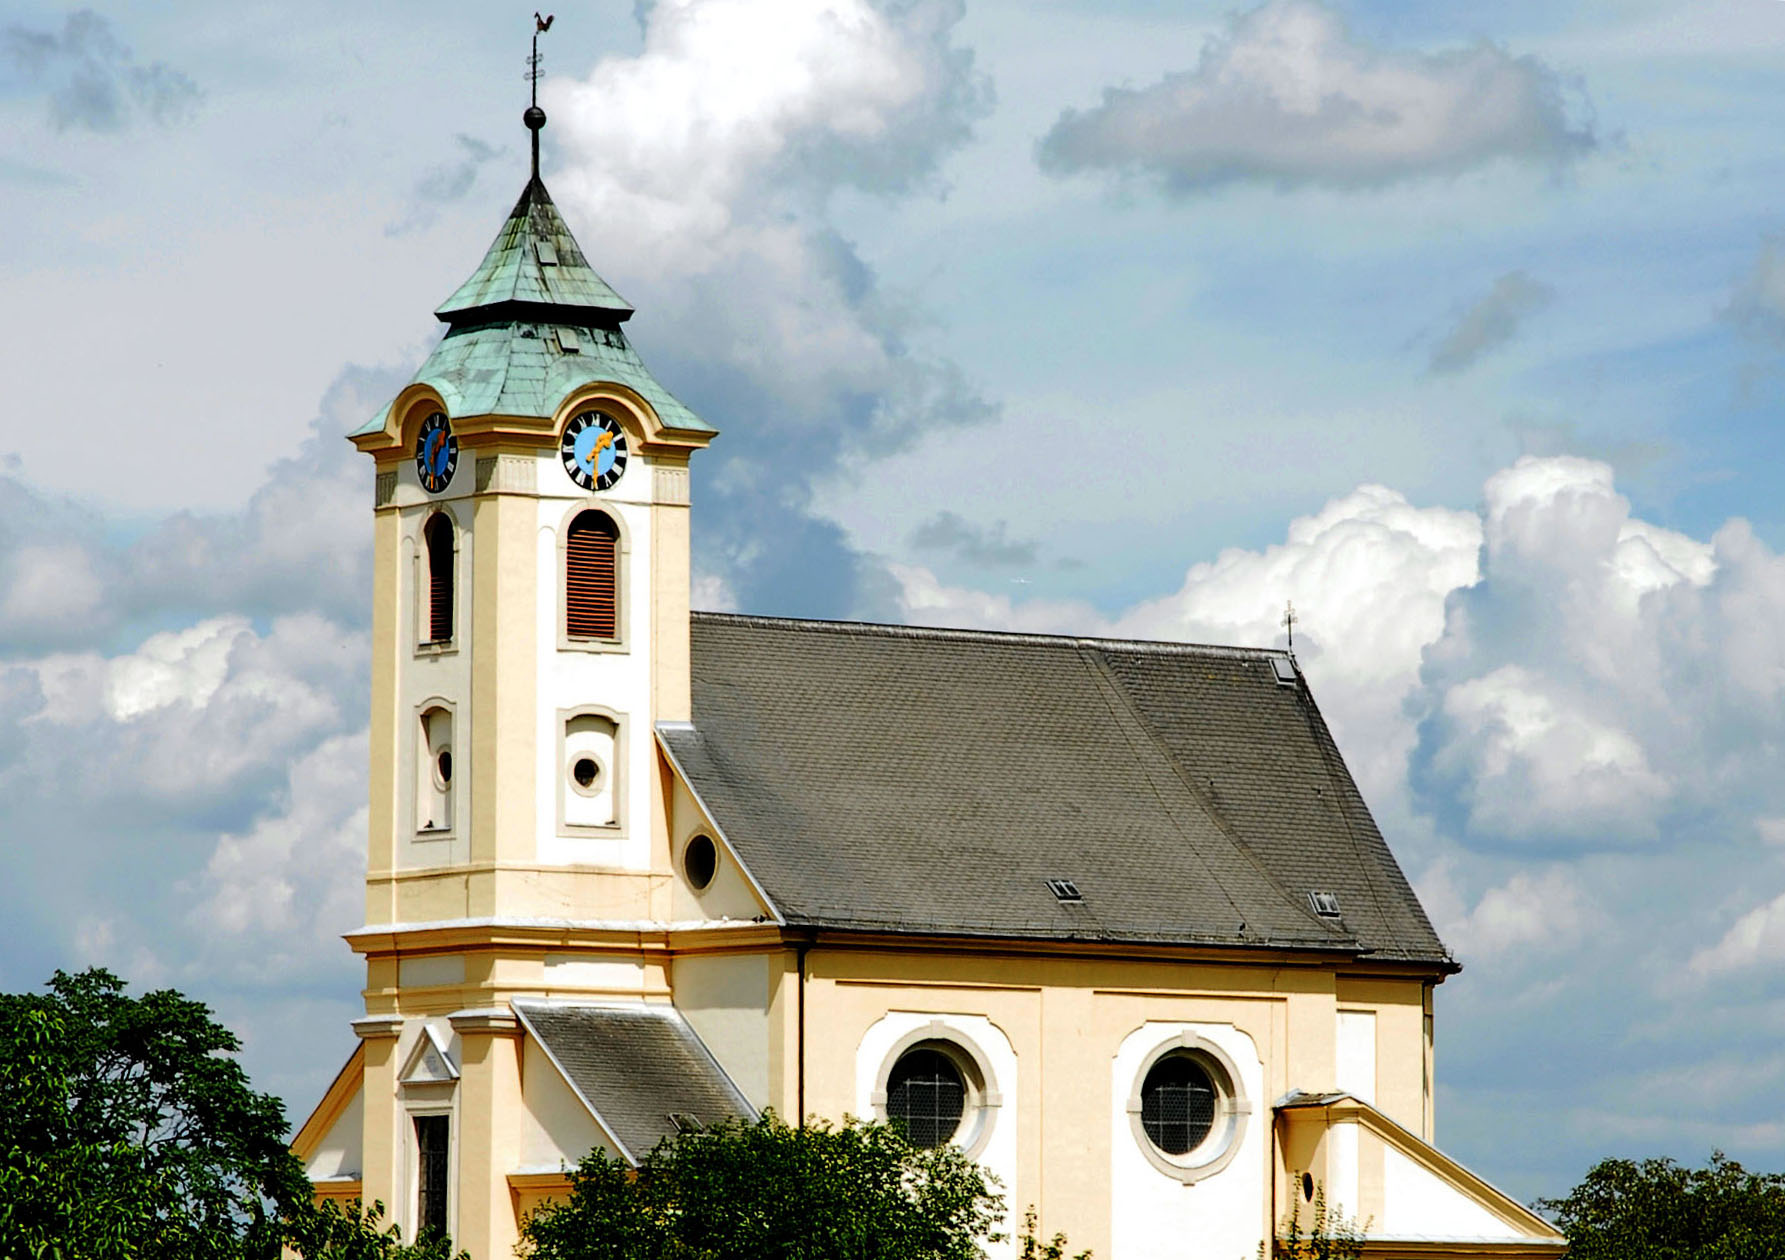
1187, 1114
927, 1095
700, 861
585, 772
1177, 1104
443, 767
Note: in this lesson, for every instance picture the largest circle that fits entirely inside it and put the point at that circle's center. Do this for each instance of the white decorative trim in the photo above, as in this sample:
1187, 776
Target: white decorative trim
670, 485
1216, 1150
979, 1114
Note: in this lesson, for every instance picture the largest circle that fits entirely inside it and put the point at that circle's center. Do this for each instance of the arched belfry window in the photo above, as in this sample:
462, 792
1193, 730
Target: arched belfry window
591, 576
437, 535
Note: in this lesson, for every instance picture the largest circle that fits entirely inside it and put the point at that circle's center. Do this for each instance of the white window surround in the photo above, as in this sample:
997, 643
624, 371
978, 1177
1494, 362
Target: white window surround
419, 581
611, 758
1232, 1109
980, 1110
428, 1086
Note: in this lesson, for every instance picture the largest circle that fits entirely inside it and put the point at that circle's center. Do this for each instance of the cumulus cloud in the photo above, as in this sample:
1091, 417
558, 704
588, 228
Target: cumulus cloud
1288, 96
1541, 910
704, 165
1490, 322
1756, 939
94, 81
300, 544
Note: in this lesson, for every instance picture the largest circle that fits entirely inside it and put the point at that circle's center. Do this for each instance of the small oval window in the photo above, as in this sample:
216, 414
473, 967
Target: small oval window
443, 766
585, 772
700, 861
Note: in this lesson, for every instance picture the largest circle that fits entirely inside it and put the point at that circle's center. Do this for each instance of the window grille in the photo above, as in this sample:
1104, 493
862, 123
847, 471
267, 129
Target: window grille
591, 602
1177, 1105
926, 1094
438, 536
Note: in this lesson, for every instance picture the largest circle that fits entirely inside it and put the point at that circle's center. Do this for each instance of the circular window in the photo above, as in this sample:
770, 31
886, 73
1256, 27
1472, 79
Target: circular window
443, 766
1177, 1105
700, 861
585, 770
927, 1096
1186, 1110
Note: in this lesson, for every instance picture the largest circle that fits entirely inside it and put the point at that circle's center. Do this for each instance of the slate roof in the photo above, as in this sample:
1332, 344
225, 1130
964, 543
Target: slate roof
888, 778
634, 1067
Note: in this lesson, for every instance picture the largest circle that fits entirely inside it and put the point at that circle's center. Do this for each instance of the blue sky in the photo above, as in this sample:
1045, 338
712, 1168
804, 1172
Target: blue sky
1462, 327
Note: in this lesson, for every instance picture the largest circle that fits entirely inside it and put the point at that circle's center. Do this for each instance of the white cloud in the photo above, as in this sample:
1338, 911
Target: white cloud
1540, 911
294, 881
1287, 95
1756, 939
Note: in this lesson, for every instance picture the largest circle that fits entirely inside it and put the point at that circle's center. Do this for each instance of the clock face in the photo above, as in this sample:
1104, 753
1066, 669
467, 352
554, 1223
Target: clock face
594, 450
436, 453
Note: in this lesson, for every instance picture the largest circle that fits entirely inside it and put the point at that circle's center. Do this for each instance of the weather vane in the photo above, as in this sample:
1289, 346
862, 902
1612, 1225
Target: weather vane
1288, 623
535, 116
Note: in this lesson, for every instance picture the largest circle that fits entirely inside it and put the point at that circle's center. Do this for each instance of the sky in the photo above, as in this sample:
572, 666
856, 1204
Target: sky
1462, 327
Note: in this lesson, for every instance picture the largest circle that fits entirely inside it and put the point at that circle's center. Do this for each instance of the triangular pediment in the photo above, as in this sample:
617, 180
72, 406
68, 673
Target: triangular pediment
430, 1062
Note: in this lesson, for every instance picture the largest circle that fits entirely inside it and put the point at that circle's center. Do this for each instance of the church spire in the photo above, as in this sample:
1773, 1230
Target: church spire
535, 116
534, 270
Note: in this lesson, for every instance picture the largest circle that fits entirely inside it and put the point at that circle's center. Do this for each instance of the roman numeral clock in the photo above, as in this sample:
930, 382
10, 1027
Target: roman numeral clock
593, 450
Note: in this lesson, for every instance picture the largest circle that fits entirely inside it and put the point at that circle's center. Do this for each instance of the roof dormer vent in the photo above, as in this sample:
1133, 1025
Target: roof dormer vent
1065, 890
1325, 904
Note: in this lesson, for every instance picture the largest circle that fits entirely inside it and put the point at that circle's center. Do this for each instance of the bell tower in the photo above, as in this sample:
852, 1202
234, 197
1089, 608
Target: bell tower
529, 633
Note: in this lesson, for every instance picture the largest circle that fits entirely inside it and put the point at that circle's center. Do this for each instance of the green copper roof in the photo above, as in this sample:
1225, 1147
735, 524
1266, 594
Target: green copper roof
533, 323
533, 264
526, 369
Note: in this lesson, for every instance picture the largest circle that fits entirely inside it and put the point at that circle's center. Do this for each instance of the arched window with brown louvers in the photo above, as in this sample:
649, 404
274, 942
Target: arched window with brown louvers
437, 534
591, 577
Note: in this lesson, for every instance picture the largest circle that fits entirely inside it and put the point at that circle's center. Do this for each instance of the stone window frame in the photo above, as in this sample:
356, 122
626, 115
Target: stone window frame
979, 1111
1232, 1110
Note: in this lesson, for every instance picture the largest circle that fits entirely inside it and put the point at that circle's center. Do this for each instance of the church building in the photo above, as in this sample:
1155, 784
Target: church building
1112, 917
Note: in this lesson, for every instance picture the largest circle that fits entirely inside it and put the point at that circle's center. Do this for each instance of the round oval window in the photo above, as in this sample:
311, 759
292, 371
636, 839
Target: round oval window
443, 766
585, 772
927, 1095
1177, 1104
700, 861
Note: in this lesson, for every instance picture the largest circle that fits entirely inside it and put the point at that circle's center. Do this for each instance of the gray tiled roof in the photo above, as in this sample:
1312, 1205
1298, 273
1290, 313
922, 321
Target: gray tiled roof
635, 1067
888, 778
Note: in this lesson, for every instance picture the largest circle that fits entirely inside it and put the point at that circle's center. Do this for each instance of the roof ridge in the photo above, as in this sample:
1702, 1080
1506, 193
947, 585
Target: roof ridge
893, 630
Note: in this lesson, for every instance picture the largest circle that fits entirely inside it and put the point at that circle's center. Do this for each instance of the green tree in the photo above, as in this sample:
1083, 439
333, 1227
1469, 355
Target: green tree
128, 1129
761, 1189
1659, 1210
1031, 1247
1330, 1235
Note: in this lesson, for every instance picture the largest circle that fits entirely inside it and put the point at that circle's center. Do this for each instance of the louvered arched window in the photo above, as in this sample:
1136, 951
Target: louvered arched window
437, 535
591, 577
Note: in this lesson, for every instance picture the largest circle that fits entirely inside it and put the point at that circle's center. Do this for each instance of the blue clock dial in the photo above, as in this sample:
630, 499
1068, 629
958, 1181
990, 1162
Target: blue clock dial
436, 453
593, 450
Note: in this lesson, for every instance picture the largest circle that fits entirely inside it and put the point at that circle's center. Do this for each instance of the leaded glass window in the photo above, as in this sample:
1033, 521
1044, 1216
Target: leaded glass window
1177, 1104
927, 1095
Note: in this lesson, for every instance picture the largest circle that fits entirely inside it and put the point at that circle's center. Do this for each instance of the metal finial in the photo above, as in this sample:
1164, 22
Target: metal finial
535, 116
1288, 623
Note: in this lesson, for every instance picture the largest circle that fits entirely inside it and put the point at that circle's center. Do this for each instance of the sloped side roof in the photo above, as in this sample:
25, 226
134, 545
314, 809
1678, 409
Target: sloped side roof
535, 261
880, 777
635, 1066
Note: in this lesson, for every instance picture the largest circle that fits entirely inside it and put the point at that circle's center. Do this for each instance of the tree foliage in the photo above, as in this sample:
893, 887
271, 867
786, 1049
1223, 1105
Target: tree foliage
128, 1129
761, 1189
1659, 1210
1031, 1247
1330, 1235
